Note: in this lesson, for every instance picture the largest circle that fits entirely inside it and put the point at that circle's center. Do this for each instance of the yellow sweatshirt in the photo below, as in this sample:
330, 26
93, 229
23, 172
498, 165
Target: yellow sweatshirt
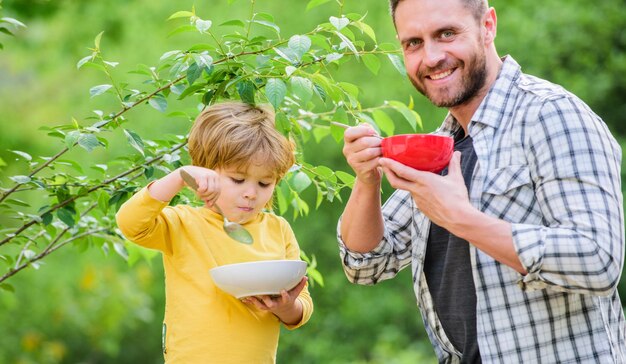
203, 324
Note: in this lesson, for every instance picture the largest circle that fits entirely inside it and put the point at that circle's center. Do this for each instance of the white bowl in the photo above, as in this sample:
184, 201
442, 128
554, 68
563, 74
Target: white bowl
266, 277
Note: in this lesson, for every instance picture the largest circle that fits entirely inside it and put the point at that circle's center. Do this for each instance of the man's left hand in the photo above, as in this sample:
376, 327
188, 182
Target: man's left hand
441, 198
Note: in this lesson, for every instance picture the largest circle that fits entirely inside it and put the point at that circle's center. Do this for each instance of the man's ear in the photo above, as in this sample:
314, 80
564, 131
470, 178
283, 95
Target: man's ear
489, 25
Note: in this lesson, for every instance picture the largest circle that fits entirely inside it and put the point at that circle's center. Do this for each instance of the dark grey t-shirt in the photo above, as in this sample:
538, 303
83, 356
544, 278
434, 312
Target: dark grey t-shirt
448, 272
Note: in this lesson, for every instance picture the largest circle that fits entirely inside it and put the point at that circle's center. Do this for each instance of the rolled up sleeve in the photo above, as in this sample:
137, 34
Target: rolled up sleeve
392, 253
576, 172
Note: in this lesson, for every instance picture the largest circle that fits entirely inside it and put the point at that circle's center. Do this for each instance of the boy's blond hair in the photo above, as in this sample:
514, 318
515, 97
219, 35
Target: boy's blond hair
231, 134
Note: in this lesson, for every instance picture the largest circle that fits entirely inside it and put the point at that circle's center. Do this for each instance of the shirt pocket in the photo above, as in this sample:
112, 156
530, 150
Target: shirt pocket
503, 180
509, 194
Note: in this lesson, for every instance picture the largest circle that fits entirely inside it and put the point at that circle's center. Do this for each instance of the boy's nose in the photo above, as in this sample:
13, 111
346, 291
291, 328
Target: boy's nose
250, 192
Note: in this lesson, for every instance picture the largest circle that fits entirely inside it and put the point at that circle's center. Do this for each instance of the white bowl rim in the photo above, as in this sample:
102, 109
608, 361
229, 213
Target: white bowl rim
257, 262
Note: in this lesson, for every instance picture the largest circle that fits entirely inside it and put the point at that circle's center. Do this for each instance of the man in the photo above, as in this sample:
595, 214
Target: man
516, 250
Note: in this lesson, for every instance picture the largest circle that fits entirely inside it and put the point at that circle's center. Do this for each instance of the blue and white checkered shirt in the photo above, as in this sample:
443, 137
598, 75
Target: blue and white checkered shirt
549, 166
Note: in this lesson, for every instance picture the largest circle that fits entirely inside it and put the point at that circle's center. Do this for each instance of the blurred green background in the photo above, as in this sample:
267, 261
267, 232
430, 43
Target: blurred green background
90, 307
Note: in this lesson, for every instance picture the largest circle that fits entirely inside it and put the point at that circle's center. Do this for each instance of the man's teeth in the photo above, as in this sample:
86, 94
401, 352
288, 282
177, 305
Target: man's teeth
441, 75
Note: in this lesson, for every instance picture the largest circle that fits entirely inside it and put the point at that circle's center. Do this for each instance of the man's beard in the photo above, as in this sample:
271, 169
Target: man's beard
470, 83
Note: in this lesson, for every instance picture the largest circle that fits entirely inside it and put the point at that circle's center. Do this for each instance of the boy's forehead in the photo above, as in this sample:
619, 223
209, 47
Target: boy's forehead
253, 168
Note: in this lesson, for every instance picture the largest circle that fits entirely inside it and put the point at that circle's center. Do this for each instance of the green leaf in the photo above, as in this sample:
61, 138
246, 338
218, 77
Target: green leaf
2, 162
281, 192
319, 90
383, 121
348, 43
182, 29
286, 53
208, 97
397, 63
275, 91
13, 201
351, 89
282, 123
339, 23
201, 47
319, 198
299, 44
315, 3
388, 47
233, 23
300, 181
320, 133
303, 88
337, 132
88, 141
341, 116
289, 70
371, 62
325, 172
299, 205
365, 28
268, 24
97, 40
22, 154
191, 90
331, 57
20, 179
120, 249
193, 73
67, 216
46, 218
103, 201
158, 102
346, 178
246, 89
264, 16
7, 287
99, 90
15, 22
203, 25
181, 14
316, 276
68, 162
204, 60
171, 54
83, 61
135, 140
411, 116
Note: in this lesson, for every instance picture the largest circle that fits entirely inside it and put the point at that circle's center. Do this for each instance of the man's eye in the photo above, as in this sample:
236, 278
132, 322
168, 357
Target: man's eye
447, 34
413, 43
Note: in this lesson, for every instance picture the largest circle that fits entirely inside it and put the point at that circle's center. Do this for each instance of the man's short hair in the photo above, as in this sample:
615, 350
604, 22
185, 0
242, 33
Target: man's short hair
477, 7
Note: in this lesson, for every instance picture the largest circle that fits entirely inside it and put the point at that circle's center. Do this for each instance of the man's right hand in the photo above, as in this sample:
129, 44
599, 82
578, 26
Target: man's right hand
362, 151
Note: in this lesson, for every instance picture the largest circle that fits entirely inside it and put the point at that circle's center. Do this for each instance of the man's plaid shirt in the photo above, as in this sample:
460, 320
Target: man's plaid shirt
549, 166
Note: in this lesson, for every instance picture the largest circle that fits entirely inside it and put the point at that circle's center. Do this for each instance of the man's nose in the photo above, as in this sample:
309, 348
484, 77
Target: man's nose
433, 54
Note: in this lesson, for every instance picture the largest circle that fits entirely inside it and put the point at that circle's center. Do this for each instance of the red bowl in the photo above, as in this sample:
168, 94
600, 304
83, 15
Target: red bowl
424, 152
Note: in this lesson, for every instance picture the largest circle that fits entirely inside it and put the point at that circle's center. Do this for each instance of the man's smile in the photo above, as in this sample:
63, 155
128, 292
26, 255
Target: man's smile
441, 75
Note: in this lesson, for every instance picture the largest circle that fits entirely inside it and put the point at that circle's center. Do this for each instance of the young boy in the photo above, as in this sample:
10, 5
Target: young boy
238, 158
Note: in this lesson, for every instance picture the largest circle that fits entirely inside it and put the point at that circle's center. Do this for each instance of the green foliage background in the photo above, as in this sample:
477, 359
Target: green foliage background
91, 306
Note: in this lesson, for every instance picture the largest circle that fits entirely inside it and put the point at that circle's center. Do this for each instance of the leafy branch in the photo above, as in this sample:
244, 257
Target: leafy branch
294, 74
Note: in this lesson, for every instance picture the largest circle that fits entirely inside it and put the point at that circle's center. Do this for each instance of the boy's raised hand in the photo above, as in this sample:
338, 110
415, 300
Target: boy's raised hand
207, 183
